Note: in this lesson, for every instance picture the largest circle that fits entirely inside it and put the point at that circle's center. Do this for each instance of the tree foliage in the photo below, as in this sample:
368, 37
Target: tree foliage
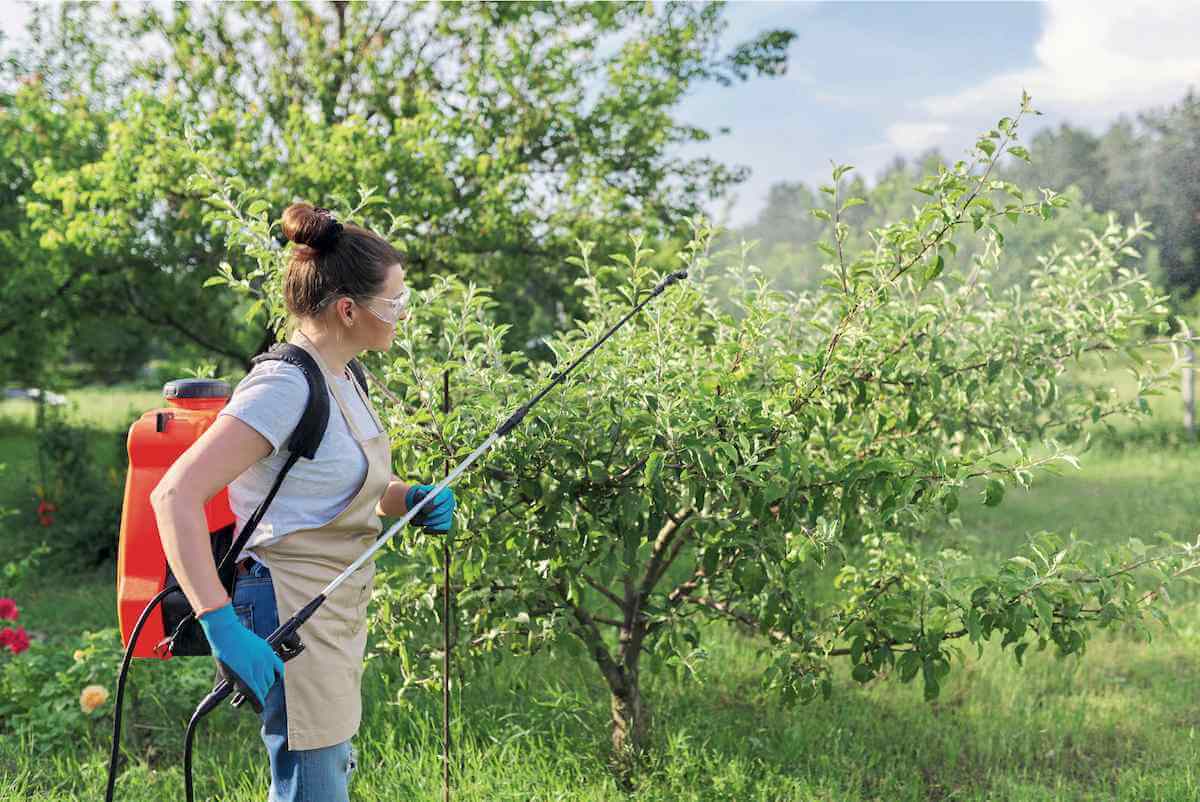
502, 131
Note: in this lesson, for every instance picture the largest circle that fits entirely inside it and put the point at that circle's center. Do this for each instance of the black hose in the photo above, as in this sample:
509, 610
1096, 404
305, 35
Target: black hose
116, 744
225, 572
187, 751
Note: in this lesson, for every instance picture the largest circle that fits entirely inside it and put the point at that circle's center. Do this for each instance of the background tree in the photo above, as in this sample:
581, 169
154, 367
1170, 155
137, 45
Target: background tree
503, 131
1140, 165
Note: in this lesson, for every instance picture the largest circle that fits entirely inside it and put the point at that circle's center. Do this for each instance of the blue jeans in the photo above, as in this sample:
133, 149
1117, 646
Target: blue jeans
304, 775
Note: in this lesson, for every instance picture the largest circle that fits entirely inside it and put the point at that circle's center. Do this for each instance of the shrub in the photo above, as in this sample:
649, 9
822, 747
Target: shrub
78, 507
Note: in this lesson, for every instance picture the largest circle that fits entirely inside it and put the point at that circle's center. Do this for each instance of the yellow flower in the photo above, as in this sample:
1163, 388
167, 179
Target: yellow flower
78, 655
92, 697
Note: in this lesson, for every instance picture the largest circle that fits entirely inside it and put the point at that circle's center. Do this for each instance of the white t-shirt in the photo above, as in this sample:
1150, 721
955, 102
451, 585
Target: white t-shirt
271, 398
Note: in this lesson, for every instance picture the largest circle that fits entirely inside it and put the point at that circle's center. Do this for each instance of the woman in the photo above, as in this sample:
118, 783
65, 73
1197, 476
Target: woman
345, 291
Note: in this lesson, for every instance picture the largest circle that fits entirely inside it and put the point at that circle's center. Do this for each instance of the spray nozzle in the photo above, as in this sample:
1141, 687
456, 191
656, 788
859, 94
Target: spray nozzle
668, 281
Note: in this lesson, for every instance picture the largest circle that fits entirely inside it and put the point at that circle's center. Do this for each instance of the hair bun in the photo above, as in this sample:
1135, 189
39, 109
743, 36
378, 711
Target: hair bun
314, 226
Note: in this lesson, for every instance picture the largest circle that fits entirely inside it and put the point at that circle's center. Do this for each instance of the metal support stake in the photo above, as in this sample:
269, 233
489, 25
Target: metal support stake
1189, 388
446, 624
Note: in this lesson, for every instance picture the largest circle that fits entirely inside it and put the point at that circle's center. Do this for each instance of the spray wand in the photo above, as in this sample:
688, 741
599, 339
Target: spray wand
286, 640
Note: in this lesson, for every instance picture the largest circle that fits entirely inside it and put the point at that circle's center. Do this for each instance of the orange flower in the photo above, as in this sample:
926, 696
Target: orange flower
92, 697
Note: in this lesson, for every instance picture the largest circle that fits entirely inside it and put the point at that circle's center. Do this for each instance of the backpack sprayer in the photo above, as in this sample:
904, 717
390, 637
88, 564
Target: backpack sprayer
205, 400
149, 599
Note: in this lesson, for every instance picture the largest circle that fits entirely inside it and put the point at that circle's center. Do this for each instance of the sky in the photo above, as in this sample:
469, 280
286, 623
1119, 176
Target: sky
869, 81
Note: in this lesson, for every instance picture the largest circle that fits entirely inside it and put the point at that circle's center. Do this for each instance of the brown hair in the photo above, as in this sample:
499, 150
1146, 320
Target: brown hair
332, 258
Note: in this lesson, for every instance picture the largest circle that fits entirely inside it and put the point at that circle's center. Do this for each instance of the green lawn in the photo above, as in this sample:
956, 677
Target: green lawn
1118, 723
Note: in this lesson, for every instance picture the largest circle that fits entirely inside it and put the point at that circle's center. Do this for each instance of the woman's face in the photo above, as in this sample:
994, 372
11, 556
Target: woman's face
379, 334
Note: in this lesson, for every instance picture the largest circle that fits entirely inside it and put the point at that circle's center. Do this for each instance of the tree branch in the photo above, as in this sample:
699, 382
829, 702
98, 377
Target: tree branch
608, 594
589, 633
658, 562
167, 320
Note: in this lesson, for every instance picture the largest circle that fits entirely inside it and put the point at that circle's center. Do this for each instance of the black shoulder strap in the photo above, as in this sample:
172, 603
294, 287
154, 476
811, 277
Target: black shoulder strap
357, 369
305, 440
306, 437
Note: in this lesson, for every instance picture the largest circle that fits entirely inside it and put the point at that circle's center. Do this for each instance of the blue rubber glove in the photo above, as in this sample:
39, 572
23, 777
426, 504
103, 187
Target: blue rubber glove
244, 654
438, 514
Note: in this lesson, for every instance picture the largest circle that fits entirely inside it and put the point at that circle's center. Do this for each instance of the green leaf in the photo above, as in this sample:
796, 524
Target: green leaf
972, 622
993, 493
776, 489
254, 309
932, 688
1045, 612
654, 468
935, 268
212, 281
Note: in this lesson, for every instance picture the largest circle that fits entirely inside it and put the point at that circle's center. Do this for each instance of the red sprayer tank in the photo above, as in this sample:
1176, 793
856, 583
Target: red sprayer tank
155, 441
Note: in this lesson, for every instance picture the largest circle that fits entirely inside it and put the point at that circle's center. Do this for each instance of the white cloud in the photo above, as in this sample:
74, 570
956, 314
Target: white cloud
796, 75
916, 136
1094, 61
839, 101
13, 21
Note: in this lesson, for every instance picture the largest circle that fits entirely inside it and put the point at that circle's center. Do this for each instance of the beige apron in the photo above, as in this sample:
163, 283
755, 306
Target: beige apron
322, 686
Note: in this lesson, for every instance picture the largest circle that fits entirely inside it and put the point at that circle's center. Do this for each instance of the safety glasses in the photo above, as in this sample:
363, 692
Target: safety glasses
393, 308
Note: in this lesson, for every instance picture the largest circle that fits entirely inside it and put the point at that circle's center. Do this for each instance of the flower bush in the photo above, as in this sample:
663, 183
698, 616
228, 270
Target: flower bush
56, 692
15, 639
60, 695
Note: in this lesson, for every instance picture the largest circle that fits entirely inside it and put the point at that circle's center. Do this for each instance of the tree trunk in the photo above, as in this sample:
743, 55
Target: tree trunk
630, 722
630, 713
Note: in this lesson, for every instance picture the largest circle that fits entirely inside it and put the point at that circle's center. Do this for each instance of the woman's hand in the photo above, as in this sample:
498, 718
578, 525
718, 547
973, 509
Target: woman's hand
438, 515
246, 655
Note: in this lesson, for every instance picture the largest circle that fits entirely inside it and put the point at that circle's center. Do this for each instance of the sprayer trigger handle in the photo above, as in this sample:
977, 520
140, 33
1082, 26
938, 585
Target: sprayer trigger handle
242, 691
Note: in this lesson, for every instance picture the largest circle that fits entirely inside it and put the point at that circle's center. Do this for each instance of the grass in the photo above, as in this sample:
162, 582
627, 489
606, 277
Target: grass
1117, 723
